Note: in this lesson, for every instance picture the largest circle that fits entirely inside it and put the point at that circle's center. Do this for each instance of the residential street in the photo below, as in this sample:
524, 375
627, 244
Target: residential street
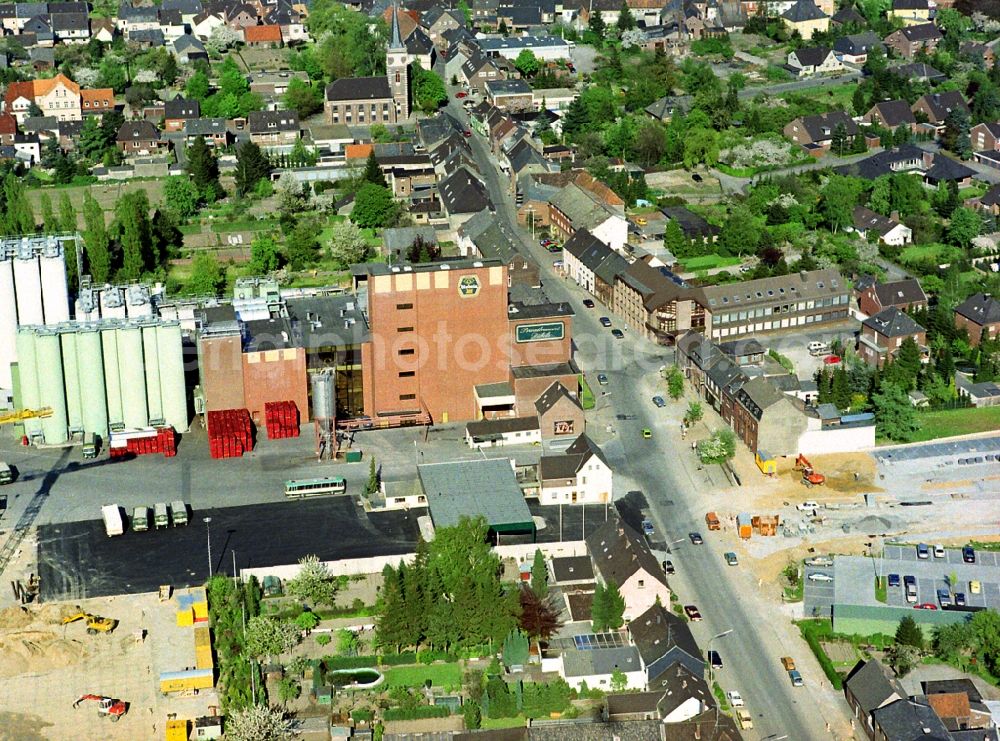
665, 470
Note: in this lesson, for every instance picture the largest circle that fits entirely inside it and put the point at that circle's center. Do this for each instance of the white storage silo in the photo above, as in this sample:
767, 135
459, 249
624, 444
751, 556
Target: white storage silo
55, 296
172, 385
27, 366
93, 395
322, 395
112, 378
29, 290
150, 355
71, 377
132, 376
51, 388
8, 321
112, 302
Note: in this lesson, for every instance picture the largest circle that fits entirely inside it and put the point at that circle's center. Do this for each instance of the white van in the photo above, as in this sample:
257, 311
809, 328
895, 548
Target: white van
818, 348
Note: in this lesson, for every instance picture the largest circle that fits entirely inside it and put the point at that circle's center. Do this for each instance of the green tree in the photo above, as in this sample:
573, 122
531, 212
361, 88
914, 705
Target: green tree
986, 634
428, 89
314, 583
372, 487
880, 199
952, 642
373, 173
597, 27
694, 412
264, 255
112, 74
701, 145
901, 658
288, 688
674, 239
619, 682
472, 714
839, 141
515, 649
203, 168
527, 63
599, 609
908, 633
675, 383
92, 141
539, 575
859, 102
207, 277
964, 227
625, 18
252, 166
306, 620
133, 235
18, 217
303, 98
269, 637
615, 606
895, 417
95, 240
718, 448
373, 206
197, 86
741, 234
839, 197
49, 225
348, 245
181, 196
67, 214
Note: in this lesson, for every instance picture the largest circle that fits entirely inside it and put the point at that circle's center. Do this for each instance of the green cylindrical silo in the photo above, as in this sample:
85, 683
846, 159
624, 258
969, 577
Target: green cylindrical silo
112, 379
51, 387
172, 388
71, 375
133, 379
93, 394
152, 368
27, 369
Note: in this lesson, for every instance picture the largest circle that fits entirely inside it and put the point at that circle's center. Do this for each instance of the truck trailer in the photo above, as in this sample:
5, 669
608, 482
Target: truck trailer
112, 520
140, 519
161, 517
179, 513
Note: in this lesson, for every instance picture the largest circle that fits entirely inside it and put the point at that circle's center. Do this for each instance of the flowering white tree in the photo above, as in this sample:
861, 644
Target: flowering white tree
633, 37
221, 38
146, 76
259, 723
85, 76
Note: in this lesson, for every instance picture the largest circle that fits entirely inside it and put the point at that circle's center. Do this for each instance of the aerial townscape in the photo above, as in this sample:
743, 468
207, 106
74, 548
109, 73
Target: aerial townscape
500, 370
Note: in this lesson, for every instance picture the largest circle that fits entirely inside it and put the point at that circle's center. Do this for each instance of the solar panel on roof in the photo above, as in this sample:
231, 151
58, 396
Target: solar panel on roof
593, 641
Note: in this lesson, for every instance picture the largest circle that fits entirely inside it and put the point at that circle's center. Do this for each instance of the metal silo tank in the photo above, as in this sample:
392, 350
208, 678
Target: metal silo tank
133, 378
322, 395
173, 390
27, 365
51, 388
28, 282
112, 378
71, 377
55, 296
93, 394
8, 322
152, 368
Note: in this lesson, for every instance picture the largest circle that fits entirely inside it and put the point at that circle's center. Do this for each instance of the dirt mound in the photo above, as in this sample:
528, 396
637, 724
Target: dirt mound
34, 651
56, 613
13, 618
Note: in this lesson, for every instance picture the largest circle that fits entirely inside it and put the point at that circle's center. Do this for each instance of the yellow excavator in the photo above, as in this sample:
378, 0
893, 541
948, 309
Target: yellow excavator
19, 415
95, 624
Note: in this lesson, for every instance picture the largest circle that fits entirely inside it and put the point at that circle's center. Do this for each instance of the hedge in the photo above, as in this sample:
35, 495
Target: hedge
810, 630
424, 711
401, 659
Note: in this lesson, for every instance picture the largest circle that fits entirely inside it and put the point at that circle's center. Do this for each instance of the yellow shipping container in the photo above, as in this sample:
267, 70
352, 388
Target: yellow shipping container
200, 610
202, 637
197, 679
203, 657
185, 618
177, 730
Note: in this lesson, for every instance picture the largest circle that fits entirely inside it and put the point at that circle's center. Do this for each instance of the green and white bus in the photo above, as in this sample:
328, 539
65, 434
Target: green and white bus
299, 489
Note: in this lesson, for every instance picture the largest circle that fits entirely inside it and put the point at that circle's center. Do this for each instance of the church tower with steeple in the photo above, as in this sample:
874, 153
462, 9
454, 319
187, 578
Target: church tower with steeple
397, 67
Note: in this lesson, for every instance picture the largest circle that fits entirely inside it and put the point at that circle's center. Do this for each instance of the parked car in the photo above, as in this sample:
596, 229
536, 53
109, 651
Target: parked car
461, 95
923, 551
617, 334
467, 133
944, 597
796, 678
646, 433
735, 699
605, 321
820, 576
696, 177
647, 528
975, 587
731, 558
893, 580
588, 303
668, 567
819, 561
553, 247
557, 263
788, 662
968, 554
744, 718
692, 613
659, 402
544, 242
925, 606
715, 659
959, 599
939, 551
807, 506
602, 379
696, 538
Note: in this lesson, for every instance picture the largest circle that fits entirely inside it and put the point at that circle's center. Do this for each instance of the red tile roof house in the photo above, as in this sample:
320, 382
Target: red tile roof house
97, 102
266, 36
8, 128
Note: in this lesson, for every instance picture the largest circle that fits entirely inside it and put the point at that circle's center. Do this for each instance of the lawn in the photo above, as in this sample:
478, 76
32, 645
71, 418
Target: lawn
494, 723
441, 675
881, 590
839, 95
949, 422
708, 262
937, 252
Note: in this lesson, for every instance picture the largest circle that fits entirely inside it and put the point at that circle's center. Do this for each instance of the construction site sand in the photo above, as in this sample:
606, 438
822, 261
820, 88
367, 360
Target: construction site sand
32, 651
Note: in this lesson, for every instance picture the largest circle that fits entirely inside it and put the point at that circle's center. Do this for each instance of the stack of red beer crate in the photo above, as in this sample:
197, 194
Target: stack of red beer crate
282, 419
143, 442
230, 433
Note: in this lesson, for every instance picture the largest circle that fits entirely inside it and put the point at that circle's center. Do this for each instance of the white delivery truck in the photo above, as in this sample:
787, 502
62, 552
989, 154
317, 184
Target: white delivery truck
112, 520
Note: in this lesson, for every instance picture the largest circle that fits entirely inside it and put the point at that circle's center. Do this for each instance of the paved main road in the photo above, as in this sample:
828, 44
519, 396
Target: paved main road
662, 468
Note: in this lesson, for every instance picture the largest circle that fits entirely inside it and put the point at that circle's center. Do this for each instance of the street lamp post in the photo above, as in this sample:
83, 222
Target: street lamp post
208, 536
711, 672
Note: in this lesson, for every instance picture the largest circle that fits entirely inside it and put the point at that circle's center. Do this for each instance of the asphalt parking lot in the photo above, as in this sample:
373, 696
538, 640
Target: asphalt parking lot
78, 560
854, 579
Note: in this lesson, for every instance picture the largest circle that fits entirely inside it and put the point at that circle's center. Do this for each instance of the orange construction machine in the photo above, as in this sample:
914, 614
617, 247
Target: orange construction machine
809, 476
